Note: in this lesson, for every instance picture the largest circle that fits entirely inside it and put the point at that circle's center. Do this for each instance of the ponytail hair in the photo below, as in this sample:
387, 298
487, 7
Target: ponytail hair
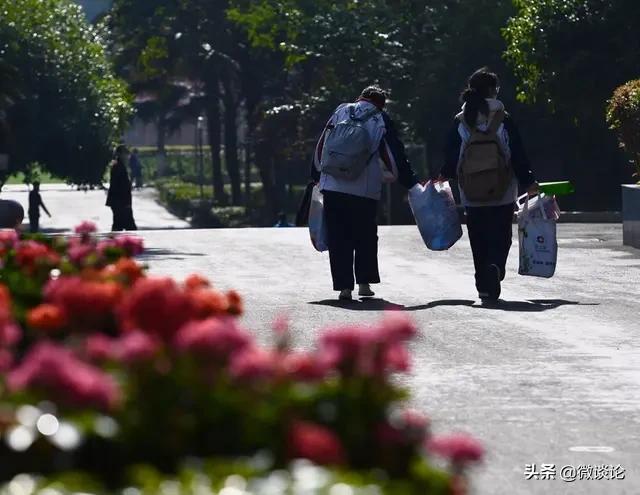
482, 84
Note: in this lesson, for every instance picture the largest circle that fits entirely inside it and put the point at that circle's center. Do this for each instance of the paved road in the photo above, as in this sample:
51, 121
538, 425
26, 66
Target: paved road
550, 375
69, 207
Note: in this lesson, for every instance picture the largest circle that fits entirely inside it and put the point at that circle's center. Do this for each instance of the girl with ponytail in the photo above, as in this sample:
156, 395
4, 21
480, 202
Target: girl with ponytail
489, 222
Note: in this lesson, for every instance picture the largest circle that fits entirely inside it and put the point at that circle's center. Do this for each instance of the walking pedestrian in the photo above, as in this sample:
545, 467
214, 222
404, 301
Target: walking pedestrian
358, 150
119, 194
136, 168
484, 151
35, 203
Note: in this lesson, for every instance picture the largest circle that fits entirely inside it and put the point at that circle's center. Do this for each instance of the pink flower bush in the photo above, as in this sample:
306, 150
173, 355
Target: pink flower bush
369, 351
133, 246
215, 338
8, 239
56, 370
157, 306
303, 366
136, 347
458, 448
253, 365
84, 301
316, 443
85, 228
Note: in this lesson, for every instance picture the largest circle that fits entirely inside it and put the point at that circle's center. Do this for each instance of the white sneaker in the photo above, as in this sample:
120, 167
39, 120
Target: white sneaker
345, 295
365, 290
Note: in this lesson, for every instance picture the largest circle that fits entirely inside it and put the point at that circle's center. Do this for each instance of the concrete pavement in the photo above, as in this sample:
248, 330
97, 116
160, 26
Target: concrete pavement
69, 207
551, 375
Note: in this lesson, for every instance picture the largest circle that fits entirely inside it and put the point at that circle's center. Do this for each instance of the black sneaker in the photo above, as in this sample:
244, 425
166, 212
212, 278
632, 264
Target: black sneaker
493, 282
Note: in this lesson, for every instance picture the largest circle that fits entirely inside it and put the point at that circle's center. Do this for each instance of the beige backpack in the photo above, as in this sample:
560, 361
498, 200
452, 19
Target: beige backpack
484, 172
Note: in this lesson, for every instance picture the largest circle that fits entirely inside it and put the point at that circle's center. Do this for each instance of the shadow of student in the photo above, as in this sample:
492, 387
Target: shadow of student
363, 304
443, 302
530, 306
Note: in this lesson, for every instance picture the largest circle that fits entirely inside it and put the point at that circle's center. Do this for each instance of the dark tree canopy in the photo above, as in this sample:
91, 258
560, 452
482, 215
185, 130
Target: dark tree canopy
64, 108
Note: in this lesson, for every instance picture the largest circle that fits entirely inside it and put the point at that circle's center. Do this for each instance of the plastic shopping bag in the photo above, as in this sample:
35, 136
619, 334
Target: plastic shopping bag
436, 215
317, 223
542, 203
538, 241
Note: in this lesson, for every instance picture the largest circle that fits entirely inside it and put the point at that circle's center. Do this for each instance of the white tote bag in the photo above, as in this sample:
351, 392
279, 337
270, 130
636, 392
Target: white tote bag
317, 223
538, 242
437, 218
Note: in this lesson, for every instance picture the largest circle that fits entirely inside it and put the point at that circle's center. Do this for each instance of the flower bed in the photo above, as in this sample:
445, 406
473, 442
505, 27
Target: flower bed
136, 381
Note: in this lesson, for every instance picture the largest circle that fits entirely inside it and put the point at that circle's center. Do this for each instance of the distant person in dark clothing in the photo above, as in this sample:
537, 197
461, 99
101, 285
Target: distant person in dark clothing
35, 203
136, 169
119, 195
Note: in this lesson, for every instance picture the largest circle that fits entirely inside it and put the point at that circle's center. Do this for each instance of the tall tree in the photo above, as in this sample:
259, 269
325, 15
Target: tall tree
66, 108
570, 55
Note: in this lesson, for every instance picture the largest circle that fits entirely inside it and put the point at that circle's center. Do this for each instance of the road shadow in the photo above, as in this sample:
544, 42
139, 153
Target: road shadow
363, 304
443, 302
168, 254
530, 306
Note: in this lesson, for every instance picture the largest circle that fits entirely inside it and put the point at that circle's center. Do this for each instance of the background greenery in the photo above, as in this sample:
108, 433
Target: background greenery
264, 75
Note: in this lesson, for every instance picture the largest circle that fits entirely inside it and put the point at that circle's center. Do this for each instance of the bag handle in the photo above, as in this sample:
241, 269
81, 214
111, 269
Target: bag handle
496, 122
525, 208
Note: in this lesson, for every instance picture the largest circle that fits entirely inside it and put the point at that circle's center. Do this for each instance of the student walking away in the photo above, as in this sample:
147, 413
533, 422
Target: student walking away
35, 203
358, 150
136, 169
484, 152
119, 194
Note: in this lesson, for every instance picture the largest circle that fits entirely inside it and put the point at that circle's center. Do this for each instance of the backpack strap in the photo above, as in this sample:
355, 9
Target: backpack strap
496, 122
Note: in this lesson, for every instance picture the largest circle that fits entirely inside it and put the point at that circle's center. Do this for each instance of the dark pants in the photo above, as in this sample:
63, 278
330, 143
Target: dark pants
123, 218
34, 223
490, 234
352, 228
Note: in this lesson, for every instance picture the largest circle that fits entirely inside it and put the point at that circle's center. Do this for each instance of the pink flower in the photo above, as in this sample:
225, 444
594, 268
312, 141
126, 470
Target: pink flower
8, 239
316, 443
133, 246
78, 252
217, 338
86, 228
343, 346
136, 347
62, 376
84, 301
10, 334
253, 364
32, 253
406, 427
397, 327
99, 348
458, 448
6, 360
304, 367
157, 306
395, 358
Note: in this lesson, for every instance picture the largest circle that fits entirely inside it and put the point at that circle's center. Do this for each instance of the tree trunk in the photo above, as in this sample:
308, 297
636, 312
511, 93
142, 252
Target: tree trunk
231, 141
213, 130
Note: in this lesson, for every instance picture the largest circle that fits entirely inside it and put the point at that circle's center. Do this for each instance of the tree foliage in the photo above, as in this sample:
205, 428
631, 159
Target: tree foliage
569, 52
65, 109
623, 116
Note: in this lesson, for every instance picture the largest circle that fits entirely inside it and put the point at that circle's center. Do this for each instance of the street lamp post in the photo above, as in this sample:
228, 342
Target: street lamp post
199, 154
